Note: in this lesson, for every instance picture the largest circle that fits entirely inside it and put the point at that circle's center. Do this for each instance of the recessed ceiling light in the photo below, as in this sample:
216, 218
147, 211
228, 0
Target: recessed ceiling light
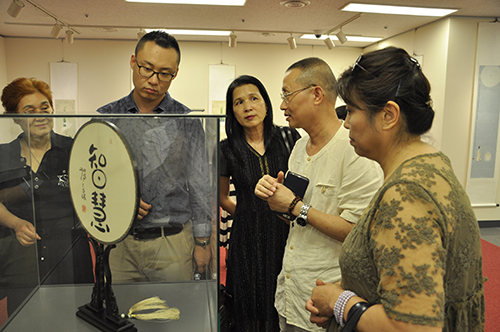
398, 10
197, 2
350, 38
295, 3
193, 32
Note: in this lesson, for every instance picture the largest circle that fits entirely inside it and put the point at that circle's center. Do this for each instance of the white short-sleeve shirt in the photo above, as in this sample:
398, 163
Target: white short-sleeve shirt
340, 183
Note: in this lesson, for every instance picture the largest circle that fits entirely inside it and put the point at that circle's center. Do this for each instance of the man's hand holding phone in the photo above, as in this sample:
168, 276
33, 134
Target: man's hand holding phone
280, 191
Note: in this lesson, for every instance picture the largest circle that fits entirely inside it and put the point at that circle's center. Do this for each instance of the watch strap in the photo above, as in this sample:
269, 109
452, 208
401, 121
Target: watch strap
203, 244
302, 217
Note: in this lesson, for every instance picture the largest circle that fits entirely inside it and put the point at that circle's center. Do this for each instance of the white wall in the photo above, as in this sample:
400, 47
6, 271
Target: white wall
104, 69
3, 63
449, 51
7, 131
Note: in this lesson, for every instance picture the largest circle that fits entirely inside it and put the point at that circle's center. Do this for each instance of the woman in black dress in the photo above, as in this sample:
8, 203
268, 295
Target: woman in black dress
254, 147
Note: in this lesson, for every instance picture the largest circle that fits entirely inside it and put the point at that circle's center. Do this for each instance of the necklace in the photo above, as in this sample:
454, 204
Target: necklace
43, 153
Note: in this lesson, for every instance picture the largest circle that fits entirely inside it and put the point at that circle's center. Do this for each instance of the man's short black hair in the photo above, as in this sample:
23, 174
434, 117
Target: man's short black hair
162, 39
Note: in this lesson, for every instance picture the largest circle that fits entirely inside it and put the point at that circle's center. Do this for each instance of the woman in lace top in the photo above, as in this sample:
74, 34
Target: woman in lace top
413, 262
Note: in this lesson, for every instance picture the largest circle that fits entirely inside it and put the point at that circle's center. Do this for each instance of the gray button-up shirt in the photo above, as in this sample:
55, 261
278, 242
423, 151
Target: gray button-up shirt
172, 163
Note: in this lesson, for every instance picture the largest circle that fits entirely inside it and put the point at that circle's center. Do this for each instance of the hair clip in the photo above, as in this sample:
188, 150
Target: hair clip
415, 62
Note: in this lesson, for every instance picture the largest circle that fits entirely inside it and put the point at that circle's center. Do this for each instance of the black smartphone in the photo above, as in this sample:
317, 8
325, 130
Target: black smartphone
296, 183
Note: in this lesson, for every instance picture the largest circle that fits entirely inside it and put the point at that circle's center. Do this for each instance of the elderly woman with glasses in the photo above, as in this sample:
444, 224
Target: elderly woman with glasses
413, 262
33, 175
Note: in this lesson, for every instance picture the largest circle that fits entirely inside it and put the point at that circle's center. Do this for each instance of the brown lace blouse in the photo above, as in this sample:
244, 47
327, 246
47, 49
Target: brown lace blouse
417, 249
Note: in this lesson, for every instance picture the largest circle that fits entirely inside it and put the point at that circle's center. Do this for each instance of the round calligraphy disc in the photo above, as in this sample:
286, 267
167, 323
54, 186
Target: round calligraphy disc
103, 181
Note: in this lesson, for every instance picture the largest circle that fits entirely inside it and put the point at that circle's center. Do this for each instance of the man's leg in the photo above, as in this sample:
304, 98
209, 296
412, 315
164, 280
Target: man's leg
170, 258
126, 261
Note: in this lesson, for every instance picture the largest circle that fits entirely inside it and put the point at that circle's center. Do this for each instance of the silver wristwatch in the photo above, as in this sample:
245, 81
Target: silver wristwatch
302, 217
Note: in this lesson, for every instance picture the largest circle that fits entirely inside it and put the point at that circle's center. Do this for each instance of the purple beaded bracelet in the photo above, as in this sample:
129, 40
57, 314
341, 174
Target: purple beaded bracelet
338, 309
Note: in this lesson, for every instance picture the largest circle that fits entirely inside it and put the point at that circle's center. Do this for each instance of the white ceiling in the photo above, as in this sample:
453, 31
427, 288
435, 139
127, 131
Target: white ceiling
258, 21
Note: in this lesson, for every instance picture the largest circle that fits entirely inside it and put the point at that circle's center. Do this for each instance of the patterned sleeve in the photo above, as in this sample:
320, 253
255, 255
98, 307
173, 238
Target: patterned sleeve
197, 169
406, 242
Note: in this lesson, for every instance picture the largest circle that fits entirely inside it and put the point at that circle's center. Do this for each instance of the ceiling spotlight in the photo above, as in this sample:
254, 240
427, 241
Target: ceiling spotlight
341, 36
141, 33
329, 43
15, 8
69, 36
232, 39
56, 30
291, 42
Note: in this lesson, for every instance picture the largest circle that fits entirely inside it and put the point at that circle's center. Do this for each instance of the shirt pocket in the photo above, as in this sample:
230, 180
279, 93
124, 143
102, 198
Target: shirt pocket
325, 196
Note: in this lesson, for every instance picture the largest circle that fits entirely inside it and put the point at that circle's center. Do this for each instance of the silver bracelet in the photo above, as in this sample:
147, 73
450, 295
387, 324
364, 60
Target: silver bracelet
338, 309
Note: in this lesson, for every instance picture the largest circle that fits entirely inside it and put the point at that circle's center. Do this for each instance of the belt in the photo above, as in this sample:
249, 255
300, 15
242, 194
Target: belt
153, 233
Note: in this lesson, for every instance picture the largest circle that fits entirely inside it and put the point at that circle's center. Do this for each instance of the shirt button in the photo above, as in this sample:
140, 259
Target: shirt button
288, 276
36, 178
36, 186
42, 258
291, 247
323, 190
308, 158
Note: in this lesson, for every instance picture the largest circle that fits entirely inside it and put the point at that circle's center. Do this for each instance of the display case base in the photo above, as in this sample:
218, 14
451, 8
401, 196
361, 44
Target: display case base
103, 322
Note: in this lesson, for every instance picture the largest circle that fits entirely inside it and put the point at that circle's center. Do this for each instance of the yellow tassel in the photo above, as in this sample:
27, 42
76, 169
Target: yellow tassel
163, 314
157, 308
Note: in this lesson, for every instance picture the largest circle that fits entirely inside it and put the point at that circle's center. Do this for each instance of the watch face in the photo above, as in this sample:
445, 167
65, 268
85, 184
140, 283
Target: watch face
301, 221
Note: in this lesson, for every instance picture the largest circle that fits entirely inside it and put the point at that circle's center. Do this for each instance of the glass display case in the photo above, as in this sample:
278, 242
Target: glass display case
49, 253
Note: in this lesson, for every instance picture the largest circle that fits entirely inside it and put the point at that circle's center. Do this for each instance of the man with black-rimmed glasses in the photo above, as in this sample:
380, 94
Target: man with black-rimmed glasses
170, 237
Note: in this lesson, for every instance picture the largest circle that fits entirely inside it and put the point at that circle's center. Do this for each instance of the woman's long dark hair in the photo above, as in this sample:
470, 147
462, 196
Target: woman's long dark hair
234, 130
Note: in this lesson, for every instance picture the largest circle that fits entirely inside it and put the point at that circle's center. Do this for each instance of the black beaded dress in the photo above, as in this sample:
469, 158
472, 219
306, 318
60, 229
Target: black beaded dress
258, 236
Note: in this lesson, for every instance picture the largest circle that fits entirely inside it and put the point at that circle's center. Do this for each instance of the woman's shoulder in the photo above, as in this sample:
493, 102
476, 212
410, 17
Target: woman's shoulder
12, 146
61, 141
421, 175
9, 154
224, 143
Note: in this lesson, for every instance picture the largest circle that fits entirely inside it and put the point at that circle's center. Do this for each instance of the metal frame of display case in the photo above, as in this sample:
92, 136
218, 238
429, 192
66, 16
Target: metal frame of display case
54, 307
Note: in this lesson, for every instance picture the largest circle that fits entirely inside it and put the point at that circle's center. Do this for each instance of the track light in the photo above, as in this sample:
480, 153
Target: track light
291, 42
69, 36
341, 36
56, 30
232, 39
141, 33
329, 43
15, 8
17, 5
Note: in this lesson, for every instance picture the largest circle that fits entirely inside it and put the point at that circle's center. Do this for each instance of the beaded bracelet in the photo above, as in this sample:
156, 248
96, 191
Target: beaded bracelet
292, 205
354, 315
338, 309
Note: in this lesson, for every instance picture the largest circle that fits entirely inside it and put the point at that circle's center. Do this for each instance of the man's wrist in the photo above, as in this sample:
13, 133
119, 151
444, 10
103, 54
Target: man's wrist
293, 205
202, 241
297, 208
